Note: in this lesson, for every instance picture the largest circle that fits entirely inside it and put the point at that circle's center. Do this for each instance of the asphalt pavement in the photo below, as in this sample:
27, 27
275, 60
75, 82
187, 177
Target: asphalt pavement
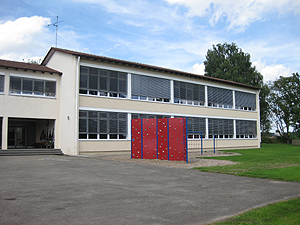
90, 190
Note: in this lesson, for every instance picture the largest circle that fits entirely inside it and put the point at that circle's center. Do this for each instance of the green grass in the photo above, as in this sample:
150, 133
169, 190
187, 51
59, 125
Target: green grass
286, 212
272, 161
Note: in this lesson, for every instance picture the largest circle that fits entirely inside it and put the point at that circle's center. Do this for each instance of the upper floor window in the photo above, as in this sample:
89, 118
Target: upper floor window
246, 129
219, 97
245, 101
150, 88
190, 94
2, 83
221, 128
100, 82
29, 86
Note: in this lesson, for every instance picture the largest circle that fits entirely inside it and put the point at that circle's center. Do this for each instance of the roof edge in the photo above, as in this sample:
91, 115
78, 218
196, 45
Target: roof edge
27, 66
141, 65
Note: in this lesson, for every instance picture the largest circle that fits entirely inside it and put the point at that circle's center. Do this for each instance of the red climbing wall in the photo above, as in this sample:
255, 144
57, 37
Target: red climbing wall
136, 138
177, 146
149, 139
162, 138
159, 139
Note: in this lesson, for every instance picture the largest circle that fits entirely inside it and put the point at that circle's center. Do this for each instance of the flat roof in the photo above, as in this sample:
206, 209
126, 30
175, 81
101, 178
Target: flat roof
141, 65
27, 66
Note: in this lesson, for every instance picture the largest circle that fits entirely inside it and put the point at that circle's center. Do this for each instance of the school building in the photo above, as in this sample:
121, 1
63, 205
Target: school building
83, 104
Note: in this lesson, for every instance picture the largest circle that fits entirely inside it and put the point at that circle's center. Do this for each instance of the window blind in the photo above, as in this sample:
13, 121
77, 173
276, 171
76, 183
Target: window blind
243, 99
220, 126
219, 96
150, 86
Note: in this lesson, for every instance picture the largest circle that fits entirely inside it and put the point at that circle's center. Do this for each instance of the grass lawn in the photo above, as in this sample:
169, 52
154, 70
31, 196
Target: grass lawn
272, 161
286, 212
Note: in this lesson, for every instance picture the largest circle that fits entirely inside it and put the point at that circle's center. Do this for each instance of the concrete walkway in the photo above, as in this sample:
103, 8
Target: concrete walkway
78, 190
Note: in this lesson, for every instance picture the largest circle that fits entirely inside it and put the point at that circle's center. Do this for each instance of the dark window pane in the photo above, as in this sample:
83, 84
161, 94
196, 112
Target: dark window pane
122, 86
93, 82
27, 86
82, 136
83, 70
1, 83
93, 126
82, 113
15, 85
39, 87
103, 83
50, 88
82, 125
113, 86
93, 71
92, 136
83, 81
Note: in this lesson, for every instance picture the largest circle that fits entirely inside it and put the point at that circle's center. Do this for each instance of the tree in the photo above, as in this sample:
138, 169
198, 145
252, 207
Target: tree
265, 115
229, 62
285, 103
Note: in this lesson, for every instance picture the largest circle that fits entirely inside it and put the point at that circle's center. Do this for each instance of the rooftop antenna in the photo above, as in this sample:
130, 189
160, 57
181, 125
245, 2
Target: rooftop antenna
56, 25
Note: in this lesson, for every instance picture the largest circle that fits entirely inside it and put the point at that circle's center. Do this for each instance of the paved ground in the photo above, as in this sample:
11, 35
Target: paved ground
78, 190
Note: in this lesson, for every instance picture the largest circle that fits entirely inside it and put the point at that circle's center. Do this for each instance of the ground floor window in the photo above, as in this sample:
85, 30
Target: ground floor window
246, 129
102, 125
221, 128
196, 124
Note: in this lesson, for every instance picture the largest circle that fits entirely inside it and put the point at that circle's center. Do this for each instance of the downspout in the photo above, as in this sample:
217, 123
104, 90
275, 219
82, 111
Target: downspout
77, 106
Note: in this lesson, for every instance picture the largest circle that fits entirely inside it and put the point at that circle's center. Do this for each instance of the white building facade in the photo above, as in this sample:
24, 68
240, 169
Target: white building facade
96, 98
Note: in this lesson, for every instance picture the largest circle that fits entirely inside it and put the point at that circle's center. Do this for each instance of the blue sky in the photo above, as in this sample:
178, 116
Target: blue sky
169, 33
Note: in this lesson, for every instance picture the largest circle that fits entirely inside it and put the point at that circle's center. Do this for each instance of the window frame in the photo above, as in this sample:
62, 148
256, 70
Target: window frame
118, 119
2, 83
107, 80
182, 91
24, 91
148, 88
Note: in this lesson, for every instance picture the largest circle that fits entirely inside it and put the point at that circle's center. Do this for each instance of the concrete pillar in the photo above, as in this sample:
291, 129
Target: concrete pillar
4, 132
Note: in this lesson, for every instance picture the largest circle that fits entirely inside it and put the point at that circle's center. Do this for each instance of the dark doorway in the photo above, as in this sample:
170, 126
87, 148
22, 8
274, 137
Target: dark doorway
17, 137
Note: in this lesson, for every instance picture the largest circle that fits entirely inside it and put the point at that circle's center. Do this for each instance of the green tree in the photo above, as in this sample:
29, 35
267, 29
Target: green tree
285, 104
229, 62
265, 114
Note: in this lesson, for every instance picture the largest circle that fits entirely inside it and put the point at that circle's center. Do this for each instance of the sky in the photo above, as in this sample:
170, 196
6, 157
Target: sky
174, 34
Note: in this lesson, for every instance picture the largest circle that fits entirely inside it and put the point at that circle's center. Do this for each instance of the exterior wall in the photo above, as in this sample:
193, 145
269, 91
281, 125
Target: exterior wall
29, 107
67, 124
146, 107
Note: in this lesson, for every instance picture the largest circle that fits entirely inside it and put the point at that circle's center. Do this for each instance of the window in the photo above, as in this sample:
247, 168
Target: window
246, 129
196, 125
221, 128
245, 101
102, 125
219, 97
190, 94
1, 83
29, 86
147, 116
150, 88
100, 82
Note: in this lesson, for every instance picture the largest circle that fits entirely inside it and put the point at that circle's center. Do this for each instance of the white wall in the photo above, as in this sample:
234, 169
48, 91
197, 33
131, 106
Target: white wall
67, 124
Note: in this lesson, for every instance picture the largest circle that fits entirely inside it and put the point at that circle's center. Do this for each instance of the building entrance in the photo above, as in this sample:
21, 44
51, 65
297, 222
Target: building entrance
17, 137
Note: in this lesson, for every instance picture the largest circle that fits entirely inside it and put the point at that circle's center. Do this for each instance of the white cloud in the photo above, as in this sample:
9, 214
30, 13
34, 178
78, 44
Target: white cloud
199, 68
272, 72
23, 38
31, 37
238, 14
